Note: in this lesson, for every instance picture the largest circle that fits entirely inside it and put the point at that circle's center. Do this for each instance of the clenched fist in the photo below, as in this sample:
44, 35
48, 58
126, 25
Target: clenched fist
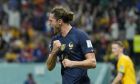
56, 46
67, 63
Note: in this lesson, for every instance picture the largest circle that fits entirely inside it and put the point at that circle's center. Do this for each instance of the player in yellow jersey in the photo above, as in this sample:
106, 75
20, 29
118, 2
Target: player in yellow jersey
125, 67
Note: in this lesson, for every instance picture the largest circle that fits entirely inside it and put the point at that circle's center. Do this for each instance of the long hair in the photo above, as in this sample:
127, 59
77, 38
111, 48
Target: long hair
62, 13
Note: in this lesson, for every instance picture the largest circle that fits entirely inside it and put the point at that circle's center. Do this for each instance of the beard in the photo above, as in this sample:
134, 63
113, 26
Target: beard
56, 30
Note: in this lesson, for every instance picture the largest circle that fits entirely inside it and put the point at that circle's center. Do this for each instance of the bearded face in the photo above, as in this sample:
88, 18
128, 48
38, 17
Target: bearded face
55, 24
56, 29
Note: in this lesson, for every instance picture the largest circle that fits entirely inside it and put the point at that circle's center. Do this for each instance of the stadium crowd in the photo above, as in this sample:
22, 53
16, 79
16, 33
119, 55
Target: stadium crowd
25, 33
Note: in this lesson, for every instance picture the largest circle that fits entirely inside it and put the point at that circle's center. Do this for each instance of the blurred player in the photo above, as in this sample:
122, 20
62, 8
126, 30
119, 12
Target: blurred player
125, 67
72, 46
30, 79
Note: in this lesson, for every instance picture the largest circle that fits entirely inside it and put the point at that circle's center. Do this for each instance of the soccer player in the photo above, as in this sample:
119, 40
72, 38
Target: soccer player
72, 46
125, 67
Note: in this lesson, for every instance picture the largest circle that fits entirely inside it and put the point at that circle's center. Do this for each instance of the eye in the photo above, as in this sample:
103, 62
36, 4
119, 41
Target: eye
114, 49
50, 20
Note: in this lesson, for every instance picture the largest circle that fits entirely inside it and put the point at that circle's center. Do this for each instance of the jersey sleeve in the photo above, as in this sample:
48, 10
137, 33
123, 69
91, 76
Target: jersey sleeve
121, 66
85, 43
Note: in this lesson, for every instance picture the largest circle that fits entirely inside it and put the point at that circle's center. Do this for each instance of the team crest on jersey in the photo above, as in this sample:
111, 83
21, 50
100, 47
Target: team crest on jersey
63, 46
71, 45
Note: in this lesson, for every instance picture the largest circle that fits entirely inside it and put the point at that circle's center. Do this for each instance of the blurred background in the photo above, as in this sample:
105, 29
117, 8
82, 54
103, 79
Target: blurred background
25, 36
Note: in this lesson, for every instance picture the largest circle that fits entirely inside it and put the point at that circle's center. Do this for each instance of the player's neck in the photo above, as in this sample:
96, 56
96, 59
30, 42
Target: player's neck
65, 29
120, 55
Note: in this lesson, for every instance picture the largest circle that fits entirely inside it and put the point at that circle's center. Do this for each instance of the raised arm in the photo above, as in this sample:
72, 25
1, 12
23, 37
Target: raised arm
51, 61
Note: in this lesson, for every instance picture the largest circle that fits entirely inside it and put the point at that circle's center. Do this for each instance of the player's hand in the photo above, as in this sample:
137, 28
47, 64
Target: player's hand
67, 63
56, 46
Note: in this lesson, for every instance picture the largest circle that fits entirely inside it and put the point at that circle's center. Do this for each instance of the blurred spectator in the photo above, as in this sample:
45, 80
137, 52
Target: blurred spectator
3, 15
3, 47
10, 56
7, 34
130, 25
38, 52
39, 18
114, 28
25, 55
15, 49
30, 79
13, 14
